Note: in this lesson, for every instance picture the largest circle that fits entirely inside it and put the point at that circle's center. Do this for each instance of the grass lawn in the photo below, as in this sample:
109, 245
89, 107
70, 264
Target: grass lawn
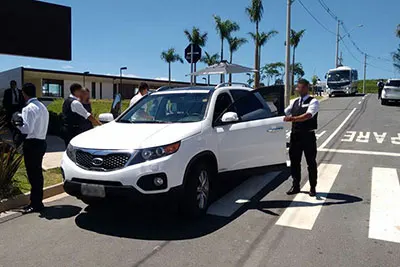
51, 177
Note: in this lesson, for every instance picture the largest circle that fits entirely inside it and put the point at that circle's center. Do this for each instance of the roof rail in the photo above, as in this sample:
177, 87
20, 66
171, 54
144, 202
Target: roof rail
231, 84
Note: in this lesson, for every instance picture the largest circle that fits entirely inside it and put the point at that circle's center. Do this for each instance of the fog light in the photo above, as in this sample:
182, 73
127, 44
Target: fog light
158, 181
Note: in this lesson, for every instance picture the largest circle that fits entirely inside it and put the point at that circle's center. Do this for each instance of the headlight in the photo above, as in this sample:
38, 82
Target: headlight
155, 153
71, 152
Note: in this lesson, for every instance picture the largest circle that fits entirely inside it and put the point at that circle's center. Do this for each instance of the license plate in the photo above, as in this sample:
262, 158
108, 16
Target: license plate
93, 190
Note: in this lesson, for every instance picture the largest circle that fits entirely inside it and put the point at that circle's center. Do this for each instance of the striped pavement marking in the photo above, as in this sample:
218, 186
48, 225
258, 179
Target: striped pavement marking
384, 222
227, 205
304, 210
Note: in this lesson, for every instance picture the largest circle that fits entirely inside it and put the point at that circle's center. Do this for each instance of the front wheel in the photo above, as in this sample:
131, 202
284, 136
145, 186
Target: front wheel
383, 101
196, 197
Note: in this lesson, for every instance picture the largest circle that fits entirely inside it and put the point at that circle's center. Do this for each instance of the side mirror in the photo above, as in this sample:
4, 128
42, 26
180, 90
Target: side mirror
106, 117
230, 117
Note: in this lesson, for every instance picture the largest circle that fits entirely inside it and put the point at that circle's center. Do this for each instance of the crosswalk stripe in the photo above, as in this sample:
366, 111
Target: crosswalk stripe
227, 205
384, 222
318, 135
304, 210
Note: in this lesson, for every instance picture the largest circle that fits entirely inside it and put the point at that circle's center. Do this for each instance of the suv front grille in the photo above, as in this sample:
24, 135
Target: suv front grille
109, 162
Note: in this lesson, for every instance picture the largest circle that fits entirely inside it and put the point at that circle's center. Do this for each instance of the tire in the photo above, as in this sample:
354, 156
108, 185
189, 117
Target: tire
197, 192
330, 95
383, 102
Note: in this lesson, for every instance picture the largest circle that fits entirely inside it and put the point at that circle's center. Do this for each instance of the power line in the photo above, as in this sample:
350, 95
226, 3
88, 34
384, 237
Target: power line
326, 7
351, 53
312, 15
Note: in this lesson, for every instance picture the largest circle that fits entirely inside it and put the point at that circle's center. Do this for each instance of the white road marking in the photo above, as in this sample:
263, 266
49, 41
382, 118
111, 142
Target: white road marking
318, 135
384, 221
360, 102
349, 136
337, 129
227, 205
363, 138
362, 152
396, 140
288, 134
380, 137
304, 210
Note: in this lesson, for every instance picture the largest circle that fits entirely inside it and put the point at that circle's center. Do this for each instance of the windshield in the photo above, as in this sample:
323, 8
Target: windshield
168, 108
395, 83
339, 76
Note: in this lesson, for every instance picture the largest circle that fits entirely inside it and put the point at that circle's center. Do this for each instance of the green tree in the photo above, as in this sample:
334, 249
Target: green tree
295, 38
298, 71
170, 56
272, 71
396, 55
255, 12
314, 81
262, 39
234, 44
398, 31
197, 38
210, 60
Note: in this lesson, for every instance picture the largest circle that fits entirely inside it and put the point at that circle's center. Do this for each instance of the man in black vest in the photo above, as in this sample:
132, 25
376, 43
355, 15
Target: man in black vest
13, 101
303, 113
75, 115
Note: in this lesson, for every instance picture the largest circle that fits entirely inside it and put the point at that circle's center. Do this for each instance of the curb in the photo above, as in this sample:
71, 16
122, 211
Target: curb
23, 199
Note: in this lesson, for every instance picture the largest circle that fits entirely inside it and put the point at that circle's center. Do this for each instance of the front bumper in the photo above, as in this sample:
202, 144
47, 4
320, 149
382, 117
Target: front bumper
129, 177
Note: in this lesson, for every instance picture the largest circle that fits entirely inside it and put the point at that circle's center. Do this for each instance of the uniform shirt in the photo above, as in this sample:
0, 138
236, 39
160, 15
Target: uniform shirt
135, 99
78, 108
312, 109
36, 120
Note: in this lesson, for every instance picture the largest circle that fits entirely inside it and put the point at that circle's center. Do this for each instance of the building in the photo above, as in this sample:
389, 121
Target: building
51, 84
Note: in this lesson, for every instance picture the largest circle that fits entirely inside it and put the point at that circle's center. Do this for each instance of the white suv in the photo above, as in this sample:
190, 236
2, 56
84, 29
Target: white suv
177, 141
391, 91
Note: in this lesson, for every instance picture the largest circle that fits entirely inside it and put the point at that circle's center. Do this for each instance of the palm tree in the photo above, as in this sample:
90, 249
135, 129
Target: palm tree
170, 56
255, 12
224, 29
197, 38
295, 38
262, 39
234, 44
210, 60
398, 31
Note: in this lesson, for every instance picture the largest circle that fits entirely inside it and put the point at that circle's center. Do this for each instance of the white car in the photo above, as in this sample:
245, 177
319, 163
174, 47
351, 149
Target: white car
391, 91
176, 141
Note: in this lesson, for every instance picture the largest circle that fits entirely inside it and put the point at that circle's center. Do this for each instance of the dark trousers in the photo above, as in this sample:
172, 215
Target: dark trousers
307, 142
69, 133
34, 150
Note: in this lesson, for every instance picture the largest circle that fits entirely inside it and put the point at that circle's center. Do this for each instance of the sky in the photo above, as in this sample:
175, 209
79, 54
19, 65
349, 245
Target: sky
108, 34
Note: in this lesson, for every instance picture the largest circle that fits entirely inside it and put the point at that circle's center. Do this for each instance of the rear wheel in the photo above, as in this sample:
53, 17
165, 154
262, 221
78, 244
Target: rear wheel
196, 197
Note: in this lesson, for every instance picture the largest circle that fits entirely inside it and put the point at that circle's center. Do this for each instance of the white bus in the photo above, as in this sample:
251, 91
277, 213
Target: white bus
342, 81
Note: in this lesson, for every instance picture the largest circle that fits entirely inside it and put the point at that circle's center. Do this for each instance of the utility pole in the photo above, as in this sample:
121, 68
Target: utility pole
337, 44
365, 71
287, 62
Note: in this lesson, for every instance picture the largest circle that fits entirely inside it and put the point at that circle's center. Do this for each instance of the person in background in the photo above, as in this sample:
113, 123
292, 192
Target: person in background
35, 121
143, 90
380, 85
303, 113
75, 115
85, 100
13, 101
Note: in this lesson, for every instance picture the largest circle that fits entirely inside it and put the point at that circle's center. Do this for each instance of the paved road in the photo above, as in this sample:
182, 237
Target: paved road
354, 221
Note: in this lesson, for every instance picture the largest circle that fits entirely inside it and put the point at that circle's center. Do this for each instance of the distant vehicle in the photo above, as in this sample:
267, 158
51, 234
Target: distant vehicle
391, 91
177, 142
342, 81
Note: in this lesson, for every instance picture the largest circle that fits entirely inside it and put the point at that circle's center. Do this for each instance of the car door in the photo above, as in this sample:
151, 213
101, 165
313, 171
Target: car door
257, 139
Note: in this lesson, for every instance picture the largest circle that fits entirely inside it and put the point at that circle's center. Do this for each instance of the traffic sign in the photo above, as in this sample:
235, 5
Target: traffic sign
196, 53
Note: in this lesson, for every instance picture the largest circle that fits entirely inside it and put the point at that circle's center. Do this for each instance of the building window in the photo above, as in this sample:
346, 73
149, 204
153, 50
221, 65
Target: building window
53, 88
101, 90
93, 90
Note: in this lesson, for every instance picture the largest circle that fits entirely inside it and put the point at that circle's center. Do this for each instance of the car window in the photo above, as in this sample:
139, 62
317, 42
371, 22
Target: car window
395, 83
251, 107
223, 102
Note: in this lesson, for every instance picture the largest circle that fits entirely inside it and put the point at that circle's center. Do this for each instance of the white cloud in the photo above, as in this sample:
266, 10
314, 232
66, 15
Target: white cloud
27, 66
128, 75
163, 79
67, 67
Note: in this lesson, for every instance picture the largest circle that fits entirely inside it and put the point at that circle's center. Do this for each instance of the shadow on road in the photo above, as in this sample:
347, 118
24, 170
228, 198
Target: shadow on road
60, 212
161, 221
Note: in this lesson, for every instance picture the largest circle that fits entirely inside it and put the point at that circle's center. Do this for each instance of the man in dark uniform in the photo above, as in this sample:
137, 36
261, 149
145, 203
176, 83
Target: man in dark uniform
303, 113
380, 85
75, 115
13, 101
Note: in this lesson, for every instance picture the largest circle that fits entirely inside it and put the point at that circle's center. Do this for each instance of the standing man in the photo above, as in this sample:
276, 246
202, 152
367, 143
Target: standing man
35, 123
13, 101
380, 85
143, 90
75, 114
303, 113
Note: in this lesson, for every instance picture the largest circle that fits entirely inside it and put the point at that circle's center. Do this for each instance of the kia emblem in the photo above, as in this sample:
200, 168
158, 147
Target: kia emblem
97, 162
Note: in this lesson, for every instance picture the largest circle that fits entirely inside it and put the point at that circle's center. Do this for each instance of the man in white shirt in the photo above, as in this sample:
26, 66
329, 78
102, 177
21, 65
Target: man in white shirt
35, 123
303, 113
143, 90
75, 114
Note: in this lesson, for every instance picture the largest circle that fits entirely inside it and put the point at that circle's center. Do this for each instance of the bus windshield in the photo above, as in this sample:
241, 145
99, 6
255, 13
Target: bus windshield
339, 76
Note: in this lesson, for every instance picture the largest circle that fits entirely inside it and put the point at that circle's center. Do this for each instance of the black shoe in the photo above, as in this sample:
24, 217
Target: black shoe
294, 190
313, 192
31, 209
